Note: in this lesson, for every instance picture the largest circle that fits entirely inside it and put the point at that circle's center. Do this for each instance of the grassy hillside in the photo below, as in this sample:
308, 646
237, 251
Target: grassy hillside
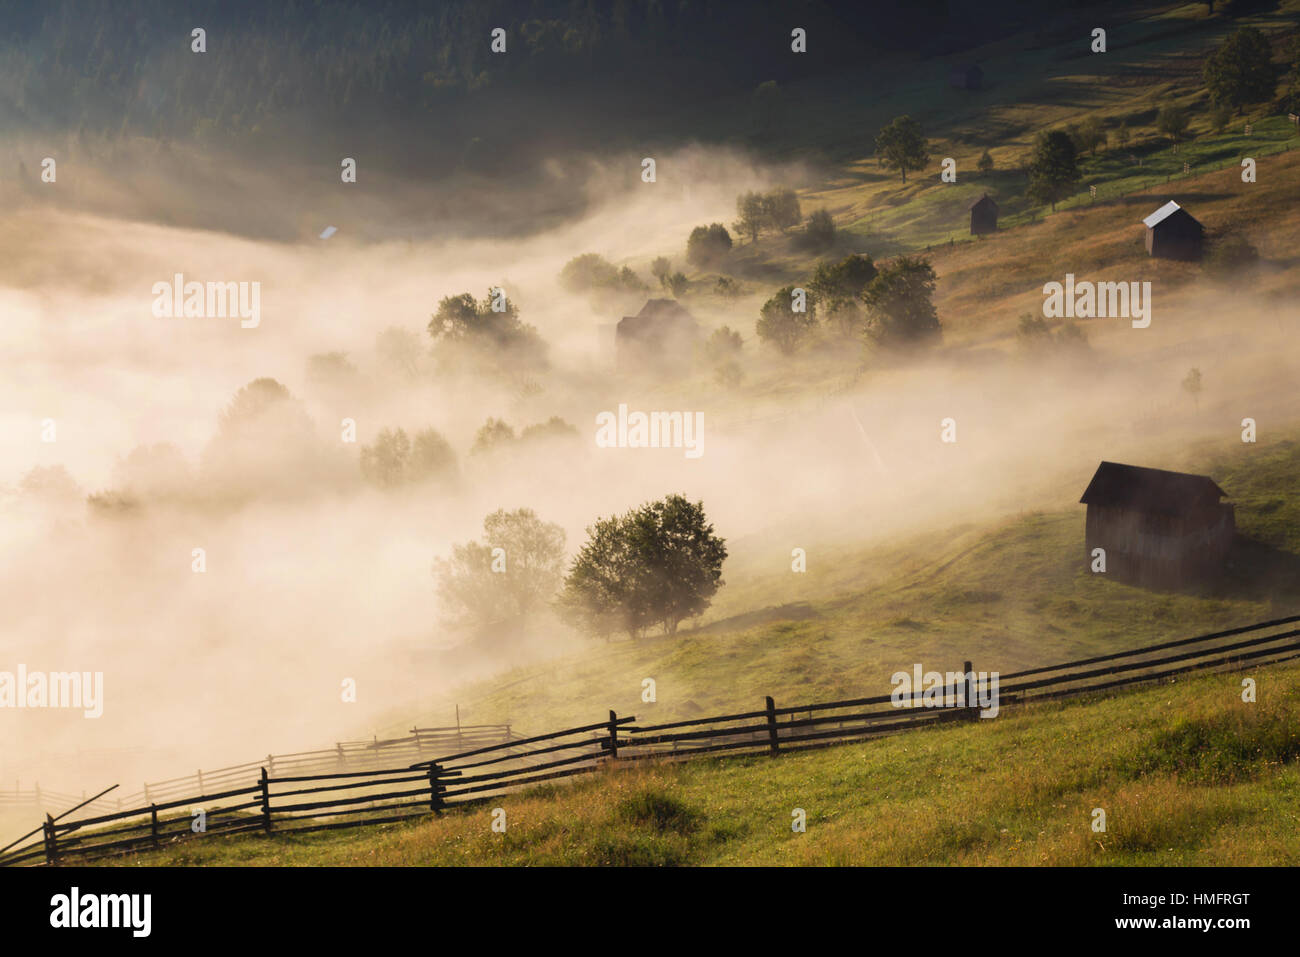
1187, 774
1017, 593
984, 288
1009, 596
1034, 81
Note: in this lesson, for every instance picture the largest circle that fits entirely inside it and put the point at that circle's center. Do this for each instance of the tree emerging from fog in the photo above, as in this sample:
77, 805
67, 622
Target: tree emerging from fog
488, 331
900, 306
267, 446
395, 459
657, 565
708, 245
781, 325
513, 572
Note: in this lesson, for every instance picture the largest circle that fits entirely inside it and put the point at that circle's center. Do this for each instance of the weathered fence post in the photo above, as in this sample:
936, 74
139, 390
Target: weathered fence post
435, 789
200, 773
266, 802
613, 735
153, 824
775, 747
51, 841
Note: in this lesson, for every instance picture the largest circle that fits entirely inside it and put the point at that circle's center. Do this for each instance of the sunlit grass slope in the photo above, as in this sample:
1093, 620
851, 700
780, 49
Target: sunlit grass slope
1187, 774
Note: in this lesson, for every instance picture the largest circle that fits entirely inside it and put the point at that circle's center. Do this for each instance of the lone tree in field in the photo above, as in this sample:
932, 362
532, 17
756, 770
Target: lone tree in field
1087, 135
1054, 169
900, 310
819, 231
1192, 385
902, 146
724, 344
781, 208
985, 163
513, 572
750, 215
1172, 120
707, 245
1241, 70
656, 565
781, 326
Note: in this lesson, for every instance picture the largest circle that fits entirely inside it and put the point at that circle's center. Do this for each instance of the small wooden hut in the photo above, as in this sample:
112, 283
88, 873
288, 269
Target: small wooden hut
983, 216
1173, 233
1158, 528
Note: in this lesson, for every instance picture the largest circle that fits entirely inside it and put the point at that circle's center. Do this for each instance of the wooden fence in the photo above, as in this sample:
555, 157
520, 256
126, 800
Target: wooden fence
288, 801
37, 797
345, 755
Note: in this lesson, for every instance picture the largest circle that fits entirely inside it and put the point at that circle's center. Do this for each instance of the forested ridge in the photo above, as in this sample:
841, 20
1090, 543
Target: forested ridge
423, 75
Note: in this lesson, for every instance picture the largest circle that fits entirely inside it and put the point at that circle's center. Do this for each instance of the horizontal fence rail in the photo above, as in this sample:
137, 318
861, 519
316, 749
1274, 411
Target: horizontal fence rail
360, 755
302, 793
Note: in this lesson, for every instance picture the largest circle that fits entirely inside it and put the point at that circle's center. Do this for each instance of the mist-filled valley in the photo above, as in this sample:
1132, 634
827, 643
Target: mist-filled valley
314, 575
282, 369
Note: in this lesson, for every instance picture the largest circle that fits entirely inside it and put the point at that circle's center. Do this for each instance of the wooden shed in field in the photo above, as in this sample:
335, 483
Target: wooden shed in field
983, 216
1173, 233
1158, 528
967, 76
661, 336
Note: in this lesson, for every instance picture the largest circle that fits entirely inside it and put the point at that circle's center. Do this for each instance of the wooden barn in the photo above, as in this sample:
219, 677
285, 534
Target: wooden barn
661, 336
1173, 233
983, 216
1159, 529
968, 76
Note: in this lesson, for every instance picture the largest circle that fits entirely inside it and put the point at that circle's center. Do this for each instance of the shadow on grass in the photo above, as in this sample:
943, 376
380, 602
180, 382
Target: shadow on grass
795, 611
1261, 572
1256, 571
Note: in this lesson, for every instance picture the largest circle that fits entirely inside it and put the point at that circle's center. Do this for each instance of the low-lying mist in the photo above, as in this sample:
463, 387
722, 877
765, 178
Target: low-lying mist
314, 575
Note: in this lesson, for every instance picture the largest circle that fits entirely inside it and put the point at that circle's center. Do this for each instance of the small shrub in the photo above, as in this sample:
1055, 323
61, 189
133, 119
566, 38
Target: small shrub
658, 810
819, 233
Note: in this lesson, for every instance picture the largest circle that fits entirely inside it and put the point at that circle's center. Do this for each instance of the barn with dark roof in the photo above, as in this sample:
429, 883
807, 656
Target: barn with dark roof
1174, 233
1158, 528
660, 337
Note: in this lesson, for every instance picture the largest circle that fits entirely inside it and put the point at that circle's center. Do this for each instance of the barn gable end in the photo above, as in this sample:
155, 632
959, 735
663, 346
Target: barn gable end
1174, 233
